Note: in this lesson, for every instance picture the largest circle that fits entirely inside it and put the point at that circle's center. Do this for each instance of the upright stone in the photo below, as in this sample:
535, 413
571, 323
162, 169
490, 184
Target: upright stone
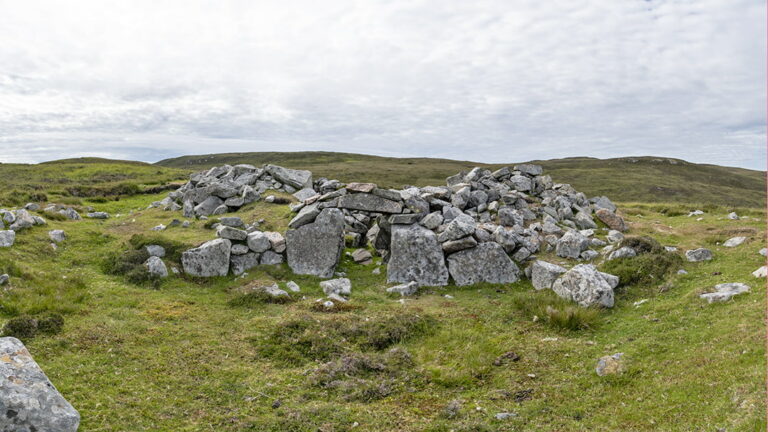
585, 285
209, 259
299, 179
487, 262
416, 256
315, 248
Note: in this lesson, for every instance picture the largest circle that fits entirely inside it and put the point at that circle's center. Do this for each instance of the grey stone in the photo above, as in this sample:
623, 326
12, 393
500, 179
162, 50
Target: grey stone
571, 245
506, 238
293, 286
234, 202
299, 179
764, 251
521, 254
98, 215
589, 255
624, 252
697, 255
602, 202
340, 286
306, 215
305, 194
238, 264
276, 240
209, 259
487, 262
4, 279
584, 221
274, 291
544, 274
362, 256
369, 202
155, 250
315, 248
734, 241
733, 216
504, 415
416, 256
406, 289
509, 216
452, 246
239, 249
724, 292
405, 219
227, 232
7, 238
156, 267
57, 236
585, 285
208, 206
457, 229
530, 169
23, 220
761, 272
460, 199
271, 258
520, 183
71, 214
615, 236
258, 242
232, 221
29, 400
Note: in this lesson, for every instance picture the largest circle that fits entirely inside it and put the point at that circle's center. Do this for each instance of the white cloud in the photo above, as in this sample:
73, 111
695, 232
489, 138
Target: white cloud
490, 80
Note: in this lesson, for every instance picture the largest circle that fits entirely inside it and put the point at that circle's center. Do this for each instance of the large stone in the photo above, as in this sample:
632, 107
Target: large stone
28, 400
306, 215
57, 236
240, 263
208, 206
369, 202
156, 267
456, 229
509, 216
23, 220
7, 238
315, 248
614, 221
602, 202
544, 274
520, 183
487, 262
227, 232
571, 245
276, 240
299, 179
584, 221
734, 241
416, 256
209, 259
340, 286
232, 221
585, 285
258, 242
623, 252
724, 292
700, 254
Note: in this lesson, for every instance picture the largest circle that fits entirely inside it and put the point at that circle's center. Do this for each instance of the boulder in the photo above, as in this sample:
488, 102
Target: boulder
697, 255
155, 250
315, 248
209, 259
57, 236
208, 206
584, 221
487, 262
734, 241
29, 400
258, 242
614, 221
585, 285
508, 217
156, 267
340, 286
623, 252
240, 263
298, 179
724, 292
544, 274
7, 238
416, 256
456, 229
571, 245
227, 232
370, 203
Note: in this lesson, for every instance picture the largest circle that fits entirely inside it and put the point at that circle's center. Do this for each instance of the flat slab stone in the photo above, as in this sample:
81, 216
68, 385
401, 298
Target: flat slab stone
416, 256
369, 202
487, 262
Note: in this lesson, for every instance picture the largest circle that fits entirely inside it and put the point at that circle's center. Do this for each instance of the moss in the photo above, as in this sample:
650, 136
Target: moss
642, 244
643, 270
22, 327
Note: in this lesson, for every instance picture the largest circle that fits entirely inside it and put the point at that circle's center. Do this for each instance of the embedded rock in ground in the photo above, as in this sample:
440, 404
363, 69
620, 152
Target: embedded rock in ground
29, 401
298, 179
57, 236
614, 236
406, 289
155, 250
614, 221
487, 262
724, 292
369, 202
733, 216
274, 291
209, 259
98, 215
610, 365
240, 263
315, 248
416, 256
761, 272
340, 286
764, 251
700, 254
156, 267
232, 221
571, 245
362, 256
544, 274
258, 242
7, 238
623, 252
293, 286
585, 285
734, 241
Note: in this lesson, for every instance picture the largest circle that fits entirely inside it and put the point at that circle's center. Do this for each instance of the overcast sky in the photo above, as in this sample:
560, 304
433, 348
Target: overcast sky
492, 81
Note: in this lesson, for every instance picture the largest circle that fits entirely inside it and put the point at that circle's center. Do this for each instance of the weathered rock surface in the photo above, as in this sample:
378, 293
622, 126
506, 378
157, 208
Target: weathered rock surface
28, 400
340, 286
156, 267
571, 245
406, 289
271, 258
7, 238
734, 241
724, 292
761, 272
585, 285
697, 255
155, 250
315, 248
487, 262
239, 264
298, 179
258, 242
544, 274
369, 202
209, 259
614, 221
416, 256
623, 252
229, 233
57, 236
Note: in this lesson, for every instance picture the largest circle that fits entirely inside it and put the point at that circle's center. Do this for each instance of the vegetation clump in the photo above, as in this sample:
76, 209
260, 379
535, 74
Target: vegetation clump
259, 297
642, 244
645, 269
27, 327
546, 307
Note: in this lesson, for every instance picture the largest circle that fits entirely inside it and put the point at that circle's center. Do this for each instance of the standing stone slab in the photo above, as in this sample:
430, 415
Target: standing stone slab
209, 259
28, 400
544, 274
315, 248
486, 262
416, 256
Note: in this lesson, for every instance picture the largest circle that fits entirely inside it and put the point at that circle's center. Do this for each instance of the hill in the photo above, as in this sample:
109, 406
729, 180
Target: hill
645, 179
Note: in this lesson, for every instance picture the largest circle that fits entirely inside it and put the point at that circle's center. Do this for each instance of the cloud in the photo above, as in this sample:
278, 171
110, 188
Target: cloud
489, 81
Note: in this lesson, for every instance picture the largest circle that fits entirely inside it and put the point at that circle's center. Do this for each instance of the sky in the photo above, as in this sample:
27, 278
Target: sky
486, 80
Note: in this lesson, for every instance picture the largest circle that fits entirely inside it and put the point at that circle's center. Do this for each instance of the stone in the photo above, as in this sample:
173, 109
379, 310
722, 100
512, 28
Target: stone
734, 241
416, 256
460, 199
405, 219
274, 291
602, 202
456, 229
208, 206
306, 215
370, 203
160, 227
764, 251
452, 246
610, 365
432, 220
340, 286
506, 238
271, 258
22, 220
70, 214
276, 240
362, 256
29, 401
584, 221
724, 292
509, 216
98, 215
361, 187
156, 267
589, 255
504, 415
238, 264
544, 274
697, 255
258, 242
695, 213
623, 252
733, 216
298, 179
614, 236
521, 254
7, 238
227, 232
571, 245
239, 249
761, 272
305, 194
57, 236
406, 289
520, 183
585, 285
611, 219
487, 262
315, 248
209, 259
232, 221
530, 169
293, 286
155, 250
4, 279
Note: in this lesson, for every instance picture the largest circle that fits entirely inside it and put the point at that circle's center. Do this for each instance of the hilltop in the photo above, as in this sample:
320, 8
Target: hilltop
627, 179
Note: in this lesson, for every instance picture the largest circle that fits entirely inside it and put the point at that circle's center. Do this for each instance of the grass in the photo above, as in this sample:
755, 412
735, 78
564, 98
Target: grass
182, 358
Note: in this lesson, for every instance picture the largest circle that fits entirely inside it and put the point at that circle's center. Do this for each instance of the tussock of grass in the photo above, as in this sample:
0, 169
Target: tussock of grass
173, 248
52, 216
643, 270
258, 297
27, 327
642, 244
555, 312
210, 222
130, 264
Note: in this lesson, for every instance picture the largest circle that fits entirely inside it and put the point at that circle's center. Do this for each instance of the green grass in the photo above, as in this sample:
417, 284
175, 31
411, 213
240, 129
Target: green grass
188, 357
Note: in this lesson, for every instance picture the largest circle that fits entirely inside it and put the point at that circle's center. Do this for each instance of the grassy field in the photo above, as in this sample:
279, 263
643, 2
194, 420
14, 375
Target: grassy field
196, 355
645, 179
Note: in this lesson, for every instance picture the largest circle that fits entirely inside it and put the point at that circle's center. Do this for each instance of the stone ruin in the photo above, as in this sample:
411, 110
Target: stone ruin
481, 226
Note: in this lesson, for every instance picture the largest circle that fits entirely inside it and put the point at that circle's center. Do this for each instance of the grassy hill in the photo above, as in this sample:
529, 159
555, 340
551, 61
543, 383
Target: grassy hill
647, 179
